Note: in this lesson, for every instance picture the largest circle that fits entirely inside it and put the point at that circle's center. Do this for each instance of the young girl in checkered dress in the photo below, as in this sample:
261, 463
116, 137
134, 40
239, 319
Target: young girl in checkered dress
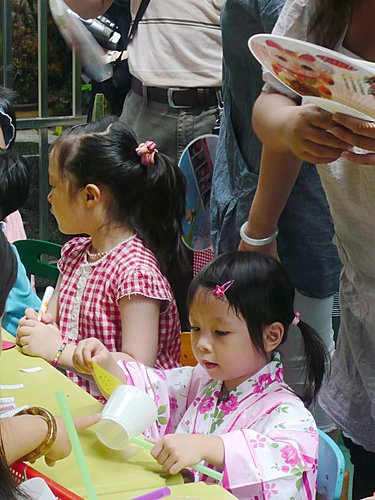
129, 200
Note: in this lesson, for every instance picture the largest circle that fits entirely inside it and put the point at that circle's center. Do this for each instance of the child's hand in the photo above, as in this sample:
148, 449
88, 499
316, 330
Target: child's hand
309, 135
47, 318
89, 350
62, 447
37, 338
30, 313
174, 452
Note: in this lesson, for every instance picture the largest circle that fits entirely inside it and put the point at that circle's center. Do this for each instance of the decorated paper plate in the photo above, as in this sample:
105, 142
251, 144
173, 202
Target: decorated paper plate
197, 163
332, 81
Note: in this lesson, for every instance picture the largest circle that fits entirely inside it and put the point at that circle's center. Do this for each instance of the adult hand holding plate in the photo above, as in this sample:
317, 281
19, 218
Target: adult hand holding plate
328, 79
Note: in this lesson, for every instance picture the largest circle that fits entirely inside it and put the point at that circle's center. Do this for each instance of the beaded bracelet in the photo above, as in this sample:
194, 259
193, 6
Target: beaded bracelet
50, 438
58, 354
257, 242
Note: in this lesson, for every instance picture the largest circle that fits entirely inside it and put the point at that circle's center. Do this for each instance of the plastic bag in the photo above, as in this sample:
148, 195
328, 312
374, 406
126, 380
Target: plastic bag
77, 36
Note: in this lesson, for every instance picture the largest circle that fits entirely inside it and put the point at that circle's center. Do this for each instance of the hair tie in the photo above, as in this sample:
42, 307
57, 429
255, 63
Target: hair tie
146, 151
296, 319
220, 290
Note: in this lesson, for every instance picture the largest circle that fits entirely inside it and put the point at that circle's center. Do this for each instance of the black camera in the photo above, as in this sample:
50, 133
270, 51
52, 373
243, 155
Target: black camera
105, 31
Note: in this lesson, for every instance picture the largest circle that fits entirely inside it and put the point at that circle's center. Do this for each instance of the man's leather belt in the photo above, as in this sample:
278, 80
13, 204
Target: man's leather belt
178, 97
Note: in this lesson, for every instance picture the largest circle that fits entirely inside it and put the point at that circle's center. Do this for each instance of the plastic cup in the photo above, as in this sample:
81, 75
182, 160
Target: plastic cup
128, 413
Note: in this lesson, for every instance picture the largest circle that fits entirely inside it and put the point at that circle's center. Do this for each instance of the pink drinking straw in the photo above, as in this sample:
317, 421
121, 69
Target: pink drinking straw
154, 495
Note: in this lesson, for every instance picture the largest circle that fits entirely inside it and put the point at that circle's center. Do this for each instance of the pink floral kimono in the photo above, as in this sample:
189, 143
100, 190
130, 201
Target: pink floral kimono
270, 438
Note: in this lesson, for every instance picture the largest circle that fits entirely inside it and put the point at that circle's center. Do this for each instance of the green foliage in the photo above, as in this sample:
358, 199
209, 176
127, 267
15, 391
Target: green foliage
25, 57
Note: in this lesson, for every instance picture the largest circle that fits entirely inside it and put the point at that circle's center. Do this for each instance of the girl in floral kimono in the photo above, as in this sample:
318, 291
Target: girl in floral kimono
233, 410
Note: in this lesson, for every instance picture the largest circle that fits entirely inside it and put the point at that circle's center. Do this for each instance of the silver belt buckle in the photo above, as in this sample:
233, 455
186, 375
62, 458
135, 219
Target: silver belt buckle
170, 92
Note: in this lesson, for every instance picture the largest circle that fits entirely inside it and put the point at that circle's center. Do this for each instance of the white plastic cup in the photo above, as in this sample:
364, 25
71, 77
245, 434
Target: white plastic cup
128, 413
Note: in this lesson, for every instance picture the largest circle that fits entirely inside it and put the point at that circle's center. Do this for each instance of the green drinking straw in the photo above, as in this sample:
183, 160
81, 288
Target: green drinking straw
200, 468
76, 445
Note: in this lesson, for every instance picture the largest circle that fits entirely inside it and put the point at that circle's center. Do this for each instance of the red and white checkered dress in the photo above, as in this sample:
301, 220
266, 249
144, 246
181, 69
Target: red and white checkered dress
90, 292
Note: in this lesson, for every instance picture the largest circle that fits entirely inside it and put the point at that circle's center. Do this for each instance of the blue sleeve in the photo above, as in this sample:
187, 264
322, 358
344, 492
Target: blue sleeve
20, 297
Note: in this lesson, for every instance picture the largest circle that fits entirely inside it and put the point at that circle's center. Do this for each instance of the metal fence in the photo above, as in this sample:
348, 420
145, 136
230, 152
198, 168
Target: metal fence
42, 122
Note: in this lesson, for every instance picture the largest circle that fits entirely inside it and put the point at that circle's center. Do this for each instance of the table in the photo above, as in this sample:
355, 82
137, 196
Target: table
116, 474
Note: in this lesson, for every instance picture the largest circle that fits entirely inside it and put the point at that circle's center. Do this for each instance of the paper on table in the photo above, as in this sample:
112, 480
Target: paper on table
13, 412
6, 405
31, 370
6, 387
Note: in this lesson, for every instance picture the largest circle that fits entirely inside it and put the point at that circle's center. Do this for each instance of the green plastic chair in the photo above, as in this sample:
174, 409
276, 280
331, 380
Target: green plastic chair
31, 252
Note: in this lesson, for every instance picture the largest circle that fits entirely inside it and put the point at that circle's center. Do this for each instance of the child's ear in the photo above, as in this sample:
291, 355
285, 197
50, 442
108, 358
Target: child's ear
92, 195
272, 336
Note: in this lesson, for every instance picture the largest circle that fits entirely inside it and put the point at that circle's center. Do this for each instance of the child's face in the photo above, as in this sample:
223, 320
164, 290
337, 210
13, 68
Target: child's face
64, 207
221, 342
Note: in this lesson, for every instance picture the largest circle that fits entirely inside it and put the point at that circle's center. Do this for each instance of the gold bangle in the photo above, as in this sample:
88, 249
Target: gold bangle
50, 438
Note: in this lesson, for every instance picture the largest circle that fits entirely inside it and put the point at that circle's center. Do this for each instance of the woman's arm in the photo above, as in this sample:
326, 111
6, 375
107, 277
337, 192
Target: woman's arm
273, 190
304, 130
289, 133
89, 8
25, 433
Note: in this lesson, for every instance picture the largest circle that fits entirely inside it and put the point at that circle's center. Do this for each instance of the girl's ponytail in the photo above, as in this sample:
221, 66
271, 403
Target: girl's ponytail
147, 190
163, 204
317, 361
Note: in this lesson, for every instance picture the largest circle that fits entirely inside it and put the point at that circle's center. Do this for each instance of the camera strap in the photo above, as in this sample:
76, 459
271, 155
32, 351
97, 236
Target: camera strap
141, 10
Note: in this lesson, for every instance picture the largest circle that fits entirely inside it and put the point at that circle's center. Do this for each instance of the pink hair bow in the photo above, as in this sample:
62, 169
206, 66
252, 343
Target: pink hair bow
220, 290
146, 151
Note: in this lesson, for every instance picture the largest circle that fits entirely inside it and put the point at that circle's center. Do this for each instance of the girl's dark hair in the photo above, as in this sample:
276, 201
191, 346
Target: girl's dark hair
14, 182
262, 293
151, 199
330, 21
8, 266
9, 129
